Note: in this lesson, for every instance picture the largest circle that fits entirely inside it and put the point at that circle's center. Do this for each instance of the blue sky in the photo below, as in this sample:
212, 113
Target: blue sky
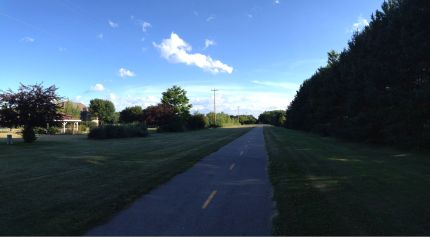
257, 53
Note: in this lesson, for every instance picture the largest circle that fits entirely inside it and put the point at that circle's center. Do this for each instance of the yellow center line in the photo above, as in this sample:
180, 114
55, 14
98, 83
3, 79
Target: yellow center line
209, 199
232, 166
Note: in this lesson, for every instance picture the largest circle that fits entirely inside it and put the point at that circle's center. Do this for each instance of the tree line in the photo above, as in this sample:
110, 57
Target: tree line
378, 88
34, 107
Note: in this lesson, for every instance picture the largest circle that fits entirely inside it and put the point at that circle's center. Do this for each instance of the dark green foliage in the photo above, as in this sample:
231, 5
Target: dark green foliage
28, 134
197, 121
32, 106
247, 119
40, 130
104, 110
275, 118
177, 98
378, 89
83, 127
118, 131
52, 130
131, 115
176, 125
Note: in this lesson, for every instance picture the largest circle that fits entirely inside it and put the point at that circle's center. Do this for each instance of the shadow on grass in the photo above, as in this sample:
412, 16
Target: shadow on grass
327, 187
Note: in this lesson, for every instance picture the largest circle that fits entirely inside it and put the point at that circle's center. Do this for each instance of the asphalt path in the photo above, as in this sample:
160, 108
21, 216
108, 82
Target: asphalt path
226, 193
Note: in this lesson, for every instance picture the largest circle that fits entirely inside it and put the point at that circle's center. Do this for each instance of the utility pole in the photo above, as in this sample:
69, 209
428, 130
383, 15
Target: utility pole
238, 120
214, 90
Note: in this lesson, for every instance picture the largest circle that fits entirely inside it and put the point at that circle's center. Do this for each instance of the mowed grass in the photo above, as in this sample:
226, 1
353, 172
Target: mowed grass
327, 187
64, 185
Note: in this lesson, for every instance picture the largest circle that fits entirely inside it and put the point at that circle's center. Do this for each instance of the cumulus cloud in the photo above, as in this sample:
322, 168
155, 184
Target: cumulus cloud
98, 87
27, 39
113, 24
122, 102
209, 43
277, 1
360, 24
145, 26
123, 72
176, 50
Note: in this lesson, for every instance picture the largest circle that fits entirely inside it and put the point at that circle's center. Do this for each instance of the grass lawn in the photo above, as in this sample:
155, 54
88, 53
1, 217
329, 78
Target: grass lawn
327, 187
64, 185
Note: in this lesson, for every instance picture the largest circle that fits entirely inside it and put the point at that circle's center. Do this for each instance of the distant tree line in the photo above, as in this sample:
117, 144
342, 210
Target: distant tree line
274, 117
378, 88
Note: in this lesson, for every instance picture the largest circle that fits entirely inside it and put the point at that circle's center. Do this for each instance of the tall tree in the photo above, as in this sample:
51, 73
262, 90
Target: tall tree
177, 98
32, 106
378, 89
131, 114
104, 110
71, 109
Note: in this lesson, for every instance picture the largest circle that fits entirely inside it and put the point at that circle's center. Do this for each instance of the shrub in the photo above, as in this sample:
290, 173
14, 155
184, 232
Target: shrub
82, 127
53, 130
40, 130
197, 121
118, 131
92, 125
176, 125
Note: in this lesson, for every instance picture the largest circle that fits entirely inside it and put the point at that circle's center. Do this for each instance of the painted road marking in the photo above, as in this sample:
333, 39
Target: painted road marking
232, 166
209, 199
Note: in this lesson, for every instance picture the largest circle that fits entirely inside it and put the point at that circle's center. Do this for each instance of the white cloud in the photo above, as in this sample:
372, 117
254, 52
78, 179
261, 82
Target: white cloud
113, 24
123, 72
176, 50
100, 36
210, 18
283, 85
121, 102
360, 24
251, 100
209, 43
98, 87
27, 39
145, 26
113, 97
277, 1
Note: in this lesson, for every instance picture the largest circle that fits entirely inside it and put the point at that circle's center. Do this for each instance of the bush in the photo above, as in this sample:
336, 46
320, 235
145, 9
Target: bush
92, 125
53, 130
28, 134
82, 127
118, 131
197, 121
177, 125
40, 130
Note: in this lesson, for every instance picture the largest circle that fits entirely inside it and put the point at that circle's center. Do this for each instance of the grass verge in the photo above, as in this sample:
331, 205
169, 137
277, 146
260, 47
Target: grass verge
327, 187
64, 185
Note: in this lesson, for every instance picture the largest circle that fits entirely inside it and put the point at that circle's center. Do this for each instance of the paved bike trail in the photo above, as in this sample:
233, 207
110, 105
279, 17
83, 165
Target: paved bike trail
225, 193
